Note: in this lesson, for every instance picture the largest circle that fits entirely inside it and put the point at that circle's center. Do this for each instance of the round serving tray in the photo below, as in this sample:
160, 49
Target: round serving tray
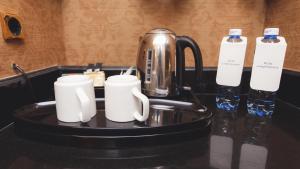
169, 121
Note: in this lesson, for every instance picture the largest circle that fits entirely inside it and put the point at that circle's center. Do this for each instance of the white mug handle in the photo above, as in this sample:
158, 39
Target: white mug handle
145, 102
85, 102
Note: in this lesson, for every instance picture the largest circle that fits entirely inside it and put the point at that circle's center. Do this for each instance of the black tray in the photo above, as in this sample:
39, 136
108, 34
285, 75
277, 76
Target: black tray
169, 121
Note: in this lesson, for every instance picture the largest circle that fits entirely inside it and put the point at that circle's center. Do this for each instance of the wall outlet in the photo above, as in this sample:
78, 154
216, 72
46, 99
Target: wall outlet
12, 27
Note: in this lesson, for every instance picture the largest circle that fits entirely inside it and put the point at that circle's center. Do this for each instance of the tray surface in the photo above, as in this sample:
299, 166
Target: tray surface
166, 118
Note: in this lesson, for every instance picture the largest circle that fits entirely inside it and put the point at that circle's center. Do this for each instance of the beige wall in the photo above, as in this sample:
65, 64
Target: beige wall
285, 15
108, 31
77, 32
43, 45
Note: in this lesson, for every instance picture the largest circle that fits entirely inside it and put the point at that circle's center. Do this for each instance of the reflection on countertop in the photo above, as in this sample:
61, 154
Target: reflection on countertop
250, 148
236, 141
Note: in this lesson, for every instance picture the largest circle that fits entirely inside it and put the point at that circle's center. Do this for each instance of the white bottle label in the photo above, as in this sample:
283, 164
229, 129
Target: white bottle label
231, 62
267, 65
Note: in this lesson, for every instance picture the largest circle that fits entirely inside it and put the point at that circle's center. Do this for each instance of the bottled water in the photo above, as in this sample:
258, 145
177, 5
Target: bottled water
228, 98
261, 103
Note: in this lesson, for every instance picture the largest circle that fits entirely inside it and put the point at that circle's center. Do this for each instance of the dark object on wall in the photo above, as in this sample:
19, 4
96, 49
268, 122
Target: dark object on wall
14, 25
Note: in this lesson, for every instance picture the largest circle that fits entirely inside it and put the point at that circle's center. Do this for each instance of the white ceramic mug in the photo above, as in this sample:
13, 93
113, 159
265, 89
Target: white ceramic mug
124, 100
75, 98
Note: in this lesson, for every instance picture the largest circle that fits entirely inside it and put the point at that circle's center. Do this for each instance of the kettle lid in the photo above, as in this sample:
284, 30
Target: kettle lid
161, 31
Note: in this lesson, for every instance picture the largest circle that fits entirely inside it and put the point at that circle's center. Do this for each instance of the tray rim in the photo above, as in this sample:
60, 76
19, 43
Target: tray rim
202, 122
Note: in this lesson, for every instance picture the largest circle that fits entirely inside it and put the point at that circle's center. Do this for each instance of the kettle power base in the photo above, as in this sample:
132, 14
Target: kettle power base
169, 122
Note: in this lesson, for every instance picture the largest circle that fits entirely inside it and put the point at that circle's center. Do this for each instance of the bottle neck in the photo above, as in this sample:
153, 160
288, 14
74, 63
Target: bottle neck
234, 37
270, 37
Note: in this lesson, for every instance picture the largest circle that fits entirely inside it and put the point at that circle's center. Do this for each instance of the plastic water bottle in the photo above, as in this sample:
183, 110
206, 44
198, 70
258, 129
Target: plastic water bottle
228, 97
261, 103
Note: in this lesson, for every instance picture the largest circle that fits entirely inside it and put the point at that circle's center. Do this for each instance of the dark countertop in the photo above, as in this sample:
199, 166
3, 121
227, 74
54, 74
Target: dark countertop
236, 141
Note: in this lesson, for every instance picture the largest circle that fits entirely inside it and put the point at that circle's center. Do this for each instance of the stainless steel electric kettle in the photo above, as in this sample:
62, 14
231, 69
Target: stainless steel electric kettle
161, 62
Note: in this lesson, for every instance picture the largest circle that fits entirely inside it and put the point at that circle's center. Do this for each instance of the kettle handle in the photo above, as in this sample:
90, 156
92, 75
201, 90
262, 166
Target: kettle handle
183, 42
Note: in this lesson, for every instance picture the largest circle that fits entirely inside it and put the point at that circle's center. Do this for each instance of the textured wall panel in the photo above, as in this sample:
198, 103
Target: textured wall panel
77, 32
108, 31
285, 15
43, 44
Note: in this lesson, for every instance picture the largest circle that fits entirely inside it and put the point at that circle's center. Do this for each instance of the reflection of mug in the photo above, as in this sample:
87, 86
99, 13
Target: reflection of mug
112, 124
124, 100
75, 98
